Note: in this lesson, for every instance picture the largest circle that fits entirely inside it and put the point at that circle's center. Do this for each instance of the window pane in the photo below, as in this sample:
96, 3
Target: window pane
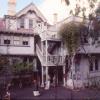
91, 66
30, 23
96, 64
16, 42
25, 42
6, 41
22, 23
16, 38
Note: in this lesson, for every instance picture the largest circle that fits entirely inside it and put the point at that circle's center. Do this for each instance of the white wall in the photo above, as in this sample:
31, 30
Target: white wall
18, 50
11, 24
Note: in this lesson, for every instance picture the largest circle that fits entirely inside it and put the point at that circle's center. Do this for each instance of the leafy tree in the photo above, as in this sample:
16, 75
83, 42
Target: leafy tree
20, 67
79, 9
70, 34
3, 63
4, 74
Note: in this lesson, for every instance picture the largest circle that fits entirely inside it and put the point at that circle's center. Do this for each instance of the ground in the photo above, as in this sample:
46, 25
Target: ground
59, 93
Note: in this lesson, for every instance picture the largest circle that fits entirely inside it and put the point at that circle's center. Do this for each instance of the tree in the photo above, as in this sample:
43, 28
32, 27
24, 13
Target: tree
4, 75
82, 9
70, 34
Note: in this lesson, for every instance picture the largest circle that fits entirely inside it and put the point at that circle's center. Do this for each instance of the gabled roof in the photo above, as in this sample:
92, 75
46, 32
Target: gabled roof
32, 7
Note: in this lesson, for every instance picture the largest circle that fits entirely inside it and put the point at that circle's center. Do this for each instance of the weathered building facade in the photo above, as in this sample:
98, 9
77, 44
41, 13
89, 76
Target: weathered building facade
27, 36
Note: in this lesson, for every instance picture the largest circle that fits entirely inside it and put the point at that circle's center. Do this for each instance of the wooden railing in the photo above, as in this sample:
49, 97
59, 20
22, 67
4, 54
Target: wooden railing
51, 59
55, 59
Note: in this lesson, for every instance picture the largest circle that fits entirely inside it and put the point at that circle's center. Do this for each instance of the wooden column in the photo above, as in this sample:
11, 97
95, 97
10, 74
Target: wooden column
42, 84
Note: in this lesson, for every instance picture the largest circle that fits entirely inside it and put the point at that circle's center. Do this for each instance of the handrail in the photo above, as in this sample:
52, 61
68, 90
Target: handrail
51, 59
55, 59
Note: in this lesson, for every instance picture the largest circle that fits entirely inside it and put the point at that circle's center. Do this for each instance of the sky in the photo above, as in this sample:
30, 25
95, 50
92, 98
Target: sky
47, 7
20, 4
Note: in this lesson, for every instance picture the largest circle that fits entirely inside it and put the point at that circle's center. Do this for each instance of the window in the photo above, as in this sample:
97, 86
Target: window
96, 64
22, 23
77, 67
6, 41
30, 23
25, 42
85, 40
39, 24
91, 66
45, 23
16, 40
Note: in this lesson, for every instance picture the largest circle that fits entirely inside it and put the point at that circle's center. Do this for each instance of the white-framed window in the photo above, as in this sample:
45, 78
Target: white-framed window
30, 23
94, 65
25, 41
16, 40
22, 23
7, 40
39, 25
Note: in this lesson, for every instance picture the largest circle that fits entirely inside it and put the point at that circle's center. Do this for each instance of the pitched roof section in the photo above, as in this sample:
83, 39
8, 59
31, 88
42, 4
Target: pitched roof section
31, 6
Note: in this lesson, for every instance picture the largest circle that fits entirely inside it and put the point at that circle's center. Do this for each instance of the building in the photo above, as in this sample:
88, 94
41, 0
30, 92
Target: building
27, 36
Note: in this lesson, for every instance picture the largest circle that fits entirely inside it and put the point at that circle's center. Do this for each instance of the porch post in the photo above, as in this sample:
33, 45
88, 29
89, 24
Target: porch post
64, 80
46, 74
46, 62
34, 64
42, 84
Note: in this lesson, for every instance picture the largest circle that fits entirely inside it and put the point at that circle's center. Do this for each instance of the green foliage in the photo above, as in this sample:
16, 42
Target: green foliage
3, 62
78, 9
70, 34
22, 67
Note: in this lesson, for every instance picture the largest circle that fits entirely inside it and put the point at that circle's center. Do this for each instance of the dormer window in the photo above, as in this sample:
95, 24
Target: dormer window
22, 23
30, 23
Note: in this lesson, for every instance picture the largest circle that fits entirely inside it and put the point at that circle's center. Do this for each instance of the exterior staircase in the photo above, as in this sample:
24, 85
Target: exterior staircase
52, 60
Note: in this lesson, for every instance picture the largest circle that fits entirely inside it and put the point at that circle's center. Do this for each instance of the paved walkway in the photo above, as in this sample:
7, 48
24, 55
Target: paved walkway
59, 93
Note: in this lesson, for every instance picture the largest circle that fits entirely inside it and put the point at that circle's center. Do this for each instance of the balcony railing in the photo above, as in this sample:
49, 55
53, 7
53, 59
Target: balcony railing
51, 59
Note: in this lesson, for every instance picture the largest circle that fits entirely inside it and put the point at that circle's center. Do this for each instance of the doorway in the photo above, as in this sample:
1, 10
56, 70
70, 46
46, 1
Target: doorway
56, 74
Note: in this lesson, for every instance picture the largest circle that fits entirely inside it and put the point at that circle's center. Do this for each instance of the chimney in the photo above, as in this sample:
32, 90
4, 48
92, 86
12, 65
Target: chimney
11, 7
55, 18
